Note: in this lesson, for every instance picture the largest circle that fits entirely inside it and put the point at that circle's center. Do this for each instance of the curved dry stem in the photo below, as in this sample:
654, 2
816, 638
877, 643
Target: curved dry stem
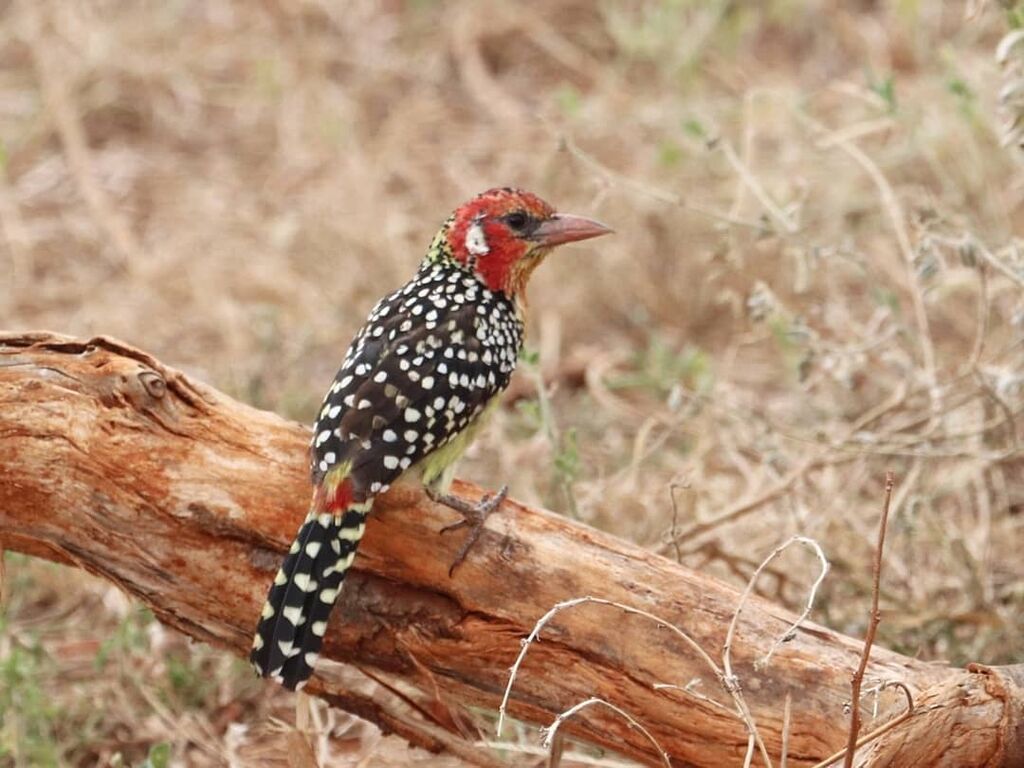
535, 634
788, 634
551, 730
731, 680
881, 730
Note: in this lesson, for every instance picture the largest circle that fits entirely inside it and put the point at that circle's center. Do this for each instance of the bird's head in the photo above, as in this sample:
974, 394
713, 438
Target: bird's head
503, 234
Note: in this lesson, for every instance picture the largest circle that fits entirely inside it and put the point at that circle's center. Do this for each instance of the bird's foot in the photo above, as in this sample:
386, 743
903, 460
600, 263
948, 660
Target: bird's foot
473, 517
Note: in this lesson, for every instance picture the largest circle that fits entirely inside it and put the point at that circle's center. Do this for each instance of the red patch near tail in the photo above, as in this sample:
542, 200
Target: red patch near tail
334, 501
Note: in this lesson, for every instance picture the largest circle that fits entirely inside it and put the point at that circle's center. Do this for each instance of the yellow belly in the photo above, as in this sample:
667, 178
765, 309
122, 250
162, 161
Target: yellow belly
438, 469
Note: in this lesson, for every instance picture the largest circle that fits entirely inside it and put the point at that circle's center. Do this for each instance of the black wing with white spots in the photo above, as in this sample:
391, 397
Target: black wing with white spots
430, 358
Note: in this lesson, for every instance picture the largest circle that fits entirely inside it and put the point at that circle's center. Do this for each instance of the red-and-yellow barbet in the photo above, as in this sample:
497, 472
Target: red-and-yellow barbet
414, 389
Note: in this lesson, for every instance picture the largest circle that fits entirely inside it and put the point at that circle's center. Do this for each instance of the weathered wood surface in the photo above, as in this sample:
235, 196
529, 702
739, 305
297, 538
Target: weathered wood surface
185, 498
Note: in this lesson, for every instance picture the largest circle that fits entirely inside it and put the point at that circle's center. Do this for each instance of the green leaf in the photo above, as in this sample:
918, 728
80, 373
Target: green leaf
159, 756
529, 356
567, 462
569, 99
694, 128
886, 89
669, 154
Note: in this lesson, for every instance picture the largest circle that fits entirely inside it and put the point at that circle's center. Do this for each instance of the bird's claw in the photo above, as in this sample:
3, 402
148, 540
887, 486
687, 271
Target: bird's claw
455, 526
473, 516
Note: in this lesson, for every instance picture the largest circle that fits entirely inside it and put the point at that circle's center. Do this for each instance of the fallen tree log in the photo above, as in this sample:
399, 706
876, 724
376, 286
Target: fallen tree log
115, 463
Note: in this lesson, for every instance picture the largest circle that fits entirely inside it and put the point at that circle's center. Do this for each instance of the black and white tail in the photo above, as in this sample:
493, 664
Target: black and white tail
294, 618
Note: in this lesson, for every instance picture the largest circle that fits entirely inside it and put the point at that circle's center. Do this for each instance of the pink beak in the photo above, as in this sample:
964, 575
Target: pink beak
567, 228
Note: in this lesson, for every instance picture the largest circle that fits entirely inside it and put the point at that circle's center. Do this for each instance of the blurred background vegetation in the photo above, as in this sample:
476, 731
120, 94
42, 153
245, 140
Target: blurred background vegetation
816, 278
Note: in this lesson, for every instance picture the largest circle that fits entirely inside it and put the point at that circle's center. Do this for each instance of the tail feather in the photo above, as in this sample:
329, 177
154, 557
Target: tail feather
294, 619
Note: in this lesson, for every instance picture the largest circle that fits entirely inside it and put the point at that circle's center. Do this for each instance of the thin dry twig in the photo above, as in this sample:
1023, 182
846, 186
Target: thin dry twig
811, 596
1002, 405
750, 180
747, 147
998, 263
15, 235
748, 758
788, 634
787, 712
565, 604
690, 689
875, 617
673, 537
73, 139
647, 190
731, 680
978, 347
881, 730
746, 506
555, 750
551, 731
859, 130
894, 210
828, 454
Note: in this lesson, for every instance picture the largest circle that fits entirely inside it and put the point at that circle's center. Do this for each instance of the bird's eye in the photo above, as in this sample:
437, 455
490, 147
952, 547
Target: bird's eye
517, 220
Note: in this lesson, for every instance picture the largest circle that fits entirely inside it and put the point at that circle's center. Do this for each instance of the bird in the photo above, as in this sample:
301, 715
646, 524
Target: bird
416, 386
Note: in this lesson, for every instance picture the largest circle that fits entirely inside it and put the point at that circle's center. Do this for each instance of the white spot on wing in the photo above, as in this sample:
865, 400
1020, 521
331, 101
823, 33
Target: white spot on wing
352, 534
294, 614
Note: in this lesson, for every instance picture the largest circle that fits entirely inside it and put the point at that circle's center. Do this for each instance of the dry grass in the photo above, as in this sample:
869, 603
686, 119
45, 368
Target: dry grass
815, 280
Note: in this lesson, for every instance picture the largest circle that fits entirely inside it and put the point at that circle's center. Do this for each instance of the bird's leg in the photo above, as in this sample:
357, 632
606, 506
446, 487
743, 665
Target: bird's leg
473, 516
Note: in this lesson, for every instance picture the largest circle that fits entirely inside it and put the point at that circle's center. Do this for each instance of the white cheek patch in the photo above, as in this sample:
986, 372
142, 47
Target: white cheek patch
476, 240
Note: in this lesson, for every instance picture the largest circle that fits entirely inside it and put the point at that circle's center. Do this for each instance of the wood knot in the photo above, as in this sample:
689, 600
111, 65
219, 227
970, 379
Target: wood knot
139, 387
153, 383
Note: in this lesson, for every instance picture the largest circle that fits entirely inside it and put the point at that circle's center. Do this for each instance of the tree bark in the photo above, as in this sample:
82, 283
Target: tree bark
186, 499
